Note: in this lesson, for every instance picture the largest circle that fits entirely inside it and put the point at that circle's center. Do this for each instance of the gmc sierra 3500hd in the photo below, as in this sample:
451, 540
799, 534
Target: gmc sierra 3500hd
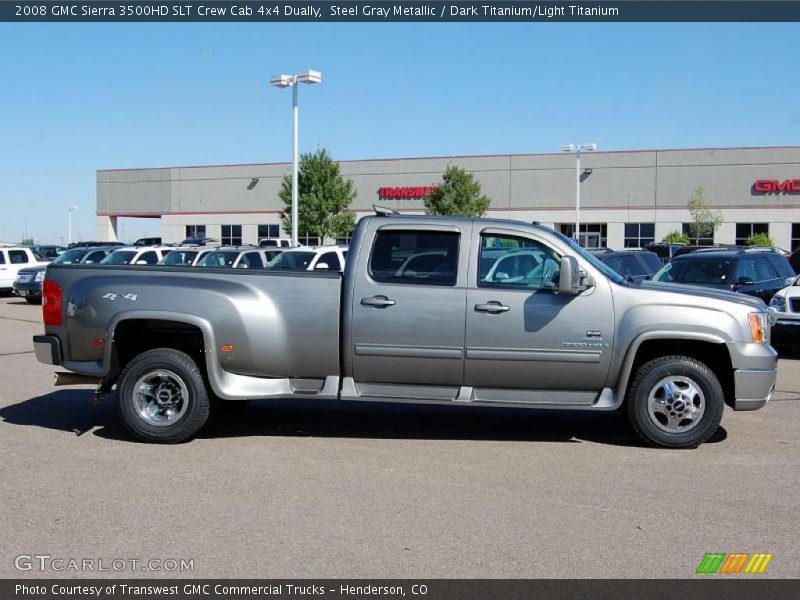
445, 310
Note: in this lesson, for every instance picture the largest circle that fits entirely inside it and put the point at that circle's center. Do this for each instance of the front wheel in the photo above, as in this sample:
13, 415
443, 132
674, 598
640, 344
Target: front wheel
162, 397
675, 402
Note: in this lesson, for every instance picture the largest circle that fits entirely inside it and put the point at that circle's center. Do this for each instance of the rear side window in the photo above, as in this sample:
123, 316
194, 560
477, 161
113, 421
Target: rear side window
764, 270
17, 257
2, 258
250, 260
149, 258
415, 257
331, 259
651, 260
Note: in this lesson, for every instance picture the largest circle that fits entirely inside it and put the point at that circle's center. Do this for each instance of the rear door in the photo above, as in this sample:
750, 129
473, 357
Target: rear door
407, 327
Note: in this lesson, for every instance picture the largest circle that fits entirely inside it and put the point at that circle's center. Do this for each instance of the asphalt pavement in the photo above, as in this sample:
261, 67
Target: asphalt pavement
322, 489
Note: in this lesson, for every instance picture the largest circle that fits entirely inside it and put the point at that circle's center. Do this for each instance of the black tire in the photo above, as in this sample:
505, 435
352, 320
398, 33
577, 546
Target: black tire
661, 429
34, 299
179, 376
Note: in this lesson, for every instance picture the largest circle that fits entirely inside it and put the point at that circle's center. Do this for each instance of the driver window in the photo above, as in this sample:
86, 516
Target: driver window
507, 261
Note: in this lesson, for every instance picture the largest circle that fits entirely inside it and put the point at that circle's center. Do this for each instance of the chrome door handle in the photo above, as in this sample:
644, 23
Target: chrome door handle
492, 307
377, 302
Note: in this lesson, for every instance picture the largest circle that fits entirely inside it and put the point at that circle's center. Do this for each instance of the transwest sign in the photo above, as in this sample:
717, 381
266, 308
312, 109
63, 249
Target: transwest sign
776, 186
397, 193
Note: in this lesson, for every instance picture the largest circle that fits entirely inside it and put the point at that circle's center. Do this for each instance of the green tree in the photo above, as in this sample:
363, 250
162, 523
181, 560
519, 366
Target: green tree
759, 239
324, 197
27, 241
459, 194
676, 237
705, 218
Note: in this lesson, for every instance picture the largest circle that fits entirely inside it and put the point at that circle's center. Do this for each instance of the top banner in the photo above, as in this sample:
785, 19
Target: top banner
621, 11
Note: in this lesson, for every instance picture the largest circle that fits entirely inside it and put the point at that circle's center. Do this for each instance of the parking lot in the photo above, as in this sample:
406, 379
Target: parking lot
314, 489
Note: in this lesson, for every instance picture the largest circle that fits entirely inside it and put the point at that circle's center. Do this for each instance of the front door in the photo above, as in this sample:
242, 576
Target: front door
522, 334
408, 307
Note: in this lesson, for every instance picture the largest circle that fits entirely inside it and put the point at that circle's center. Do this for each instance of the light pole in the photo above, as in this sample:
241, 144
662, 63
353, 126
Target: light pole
577, 149
283, 81
70, 210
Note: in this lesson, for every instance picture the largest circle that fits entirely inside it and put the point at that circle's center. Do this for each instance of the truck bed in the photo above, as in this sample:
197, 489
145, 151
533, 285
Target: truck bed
263, 324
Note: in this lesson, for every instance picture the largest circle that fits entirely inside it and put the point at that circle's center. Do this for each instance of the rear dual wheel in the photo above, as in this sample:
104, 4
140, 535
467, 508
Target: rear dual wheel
163, 397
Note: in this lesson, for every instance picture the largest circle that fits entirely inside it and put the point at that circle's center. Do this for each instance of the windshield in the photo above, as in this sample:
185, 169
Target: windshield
70, 257
178, 257
597, 264
297, 261
119, 257
218, 259
708, 271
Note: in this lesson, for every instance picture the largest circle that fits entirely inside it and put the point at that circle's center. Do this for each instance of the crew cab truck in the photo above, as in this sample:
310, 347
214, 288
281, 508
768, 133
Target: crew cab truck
559, 331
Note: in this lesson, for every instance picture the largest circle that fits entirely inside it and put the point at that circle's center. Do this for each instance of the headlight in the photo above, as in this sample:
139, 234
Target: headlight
759, 327
39, 276
778, 303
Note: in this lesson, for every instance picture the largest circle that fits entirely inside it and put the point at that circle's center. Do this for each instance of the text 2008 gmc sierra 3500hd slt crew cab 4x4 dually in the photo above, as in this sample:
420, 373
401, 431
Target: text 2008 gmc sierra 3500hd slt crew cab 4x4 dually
466, 312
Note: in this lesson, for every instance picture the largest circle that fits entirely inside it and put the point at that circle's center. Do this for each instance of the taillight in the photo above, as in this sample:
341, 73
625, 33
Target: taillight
51, 302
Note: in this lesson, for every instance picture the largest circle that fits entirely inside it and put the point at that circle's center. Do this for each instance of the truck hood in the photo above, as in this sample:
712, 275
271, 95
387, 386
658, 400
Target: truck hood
705, 292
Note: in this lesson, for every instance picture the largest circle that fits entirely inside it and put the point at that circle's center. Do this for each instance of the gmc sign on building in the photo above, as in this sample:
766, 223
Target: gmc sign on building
775, 186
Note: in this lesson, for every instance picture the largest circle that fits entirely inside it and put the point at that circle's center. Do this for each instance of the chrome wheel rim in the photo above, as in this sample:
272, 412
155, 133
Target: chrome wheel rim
160, 397
676, 404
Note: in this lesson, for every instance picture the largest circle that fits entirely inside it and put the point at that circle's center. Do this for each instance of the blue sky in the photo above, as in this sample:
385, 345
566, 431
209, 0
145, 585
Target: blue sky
75, 98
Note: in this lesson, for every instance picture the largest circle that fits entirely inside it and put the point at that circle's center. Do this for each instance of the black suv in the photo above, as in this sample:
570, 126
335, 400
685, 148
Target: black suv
757, 272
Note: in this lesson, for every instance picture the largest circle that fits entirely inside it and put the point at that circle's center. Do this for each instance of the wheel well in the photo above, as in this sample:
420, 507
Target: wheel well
715, 356
134, 336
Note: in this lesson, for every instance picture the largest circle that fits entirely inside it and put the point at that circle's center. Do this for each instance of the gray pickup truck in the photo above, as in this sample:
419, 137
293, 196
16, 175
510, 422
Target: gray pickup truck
457, 311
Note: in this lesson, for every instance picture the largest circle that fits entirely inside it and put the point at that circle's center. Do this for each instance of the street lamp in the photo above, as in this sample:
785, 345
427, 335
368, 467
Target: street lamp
283, 81
71, 209
577, 149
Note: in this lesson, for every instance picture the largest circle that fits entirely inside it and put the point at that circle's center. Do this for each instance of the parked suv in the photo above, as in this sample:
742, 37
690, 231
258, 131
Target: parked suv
633, 265
12, 260
311, 258
235, 257
785, 306
185, 256
757, 272
274, 243
28, 283
134, 255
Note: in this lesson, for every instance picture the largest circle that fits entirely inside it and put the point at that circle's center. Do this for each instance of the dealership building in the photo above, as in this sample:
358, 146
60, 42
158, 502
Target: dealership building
628, 198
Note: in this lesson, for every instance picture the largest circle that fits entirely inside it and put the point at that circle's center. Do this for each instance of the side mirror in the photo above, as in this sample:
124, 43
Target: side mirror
141, 262
321, 267
569, 279
743, 281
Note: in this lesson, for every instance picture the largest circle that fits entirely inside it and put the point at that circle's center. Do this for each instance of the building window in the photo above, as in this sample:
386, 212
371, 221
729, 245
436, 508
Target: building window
593, 235
231, 235
196, 231
638, 235
306, 239
269, 232
795, 236
745, 230
706, 238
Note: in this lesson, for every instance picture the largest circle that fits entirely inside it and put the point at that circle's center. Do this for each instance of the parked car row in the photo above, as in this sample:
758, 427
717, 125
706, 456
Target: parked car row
24, 270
